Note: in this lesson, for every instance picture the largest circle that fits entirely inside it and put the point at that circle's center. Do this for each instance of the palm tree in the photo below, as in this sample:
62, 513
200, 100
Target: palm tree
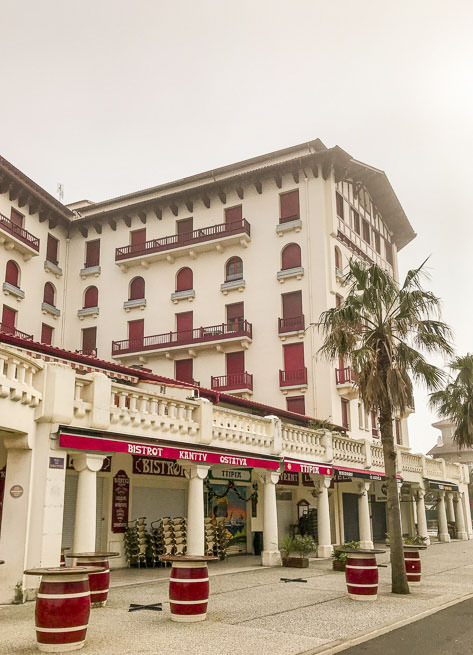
455, 402
382, 328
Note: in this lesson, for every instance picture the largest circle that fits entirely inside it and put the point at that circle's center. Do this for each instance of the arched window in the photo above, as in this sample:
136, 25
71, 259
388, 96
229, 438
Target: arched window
291, 256
137, 289
234, 269
91, 297
184, 279
12, 273
338, 259
49, 294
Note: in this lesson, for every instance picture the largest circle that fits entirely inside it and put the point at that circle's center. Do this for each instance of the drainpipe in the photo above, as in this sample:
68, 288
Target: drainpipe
64, 291
312, 318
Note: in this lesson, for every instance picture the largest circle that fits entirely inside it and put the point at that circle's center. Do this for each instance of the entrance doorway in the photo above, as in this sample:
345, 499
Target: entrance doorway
351, 526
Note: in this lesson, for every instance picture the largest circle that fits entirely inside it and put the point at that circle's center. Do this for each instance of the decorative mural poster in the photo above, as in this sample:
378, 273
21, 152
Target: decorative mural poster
232, 506
120, 501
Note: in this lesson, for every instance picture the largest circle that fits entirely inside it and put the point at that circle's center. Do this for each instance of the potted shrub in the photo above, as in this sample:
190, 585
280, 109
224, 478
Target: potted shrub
303, 546
339, 559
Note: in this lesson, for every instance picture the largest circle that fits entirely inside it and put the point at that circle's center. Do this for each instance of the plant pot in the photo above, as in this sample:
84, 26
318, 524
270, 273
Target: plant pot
296, 562
338, 565
413, 565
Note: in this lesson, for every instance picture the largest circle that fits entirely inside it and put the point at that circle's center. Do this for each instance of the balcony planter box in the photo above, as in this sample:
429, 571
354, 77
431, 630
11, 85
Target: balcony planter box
296, 562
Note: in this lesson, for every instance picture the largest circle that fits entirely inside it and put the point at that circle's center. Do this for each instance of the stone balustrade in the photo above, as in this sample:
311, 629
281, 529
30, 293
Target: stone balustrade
298, 441
17, 378
231, 428
347, 451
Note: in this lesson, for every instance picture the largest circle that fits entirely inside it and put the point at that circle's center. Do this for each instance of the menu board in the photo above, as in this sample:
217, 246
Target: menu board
120, 501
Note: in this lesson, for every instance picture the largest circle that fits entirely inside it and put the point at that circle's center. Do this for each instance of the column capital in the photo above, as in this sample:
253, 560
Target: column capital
363, 487
89, 461
420, 494
268, 477
193, 470
320, 482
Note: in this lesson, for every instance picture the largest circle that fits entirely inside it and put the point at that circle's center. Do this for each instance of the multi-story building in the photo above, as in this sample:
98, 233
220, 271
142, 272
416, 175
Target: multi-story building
216, 281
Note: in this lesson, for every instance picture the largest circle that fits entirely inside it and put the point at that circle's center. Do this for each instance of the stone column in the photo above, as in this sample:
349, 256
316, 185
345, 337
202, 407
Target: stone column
364, 516
465, 501
87, 465
421, 517
270, 555
196, 474
460, 519
324, 547
449, 507
442, 518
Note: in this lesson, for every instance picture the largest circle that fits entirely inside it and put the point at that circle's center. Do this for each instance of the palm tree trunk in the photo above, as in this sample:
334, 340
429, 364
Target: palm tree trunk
399, 583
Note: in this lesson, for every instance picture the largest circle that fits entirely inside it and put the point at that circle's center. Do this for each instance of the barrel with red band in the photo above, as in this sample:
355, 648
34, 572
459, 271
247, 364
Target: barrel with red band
413, 566
189, 591
361, 574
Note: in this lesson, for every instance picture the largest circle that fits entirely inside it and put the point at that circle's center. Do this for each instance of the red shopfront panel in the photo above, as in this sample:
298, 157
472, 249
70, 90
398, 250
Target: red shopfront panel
235, 363
89, 340
184, 370
8, 317
12, 273
184, 228
136, 331
294, 357
233, 215
92, 253
184, 324
184, 279
292, 304
47, 334
52, 249
289, 206
296, 404
16, 217
138, 237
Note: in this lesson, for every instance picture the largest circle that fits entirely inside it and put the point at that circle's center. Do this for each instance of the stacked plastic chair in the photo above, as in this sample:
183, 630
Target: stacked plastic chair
136, 542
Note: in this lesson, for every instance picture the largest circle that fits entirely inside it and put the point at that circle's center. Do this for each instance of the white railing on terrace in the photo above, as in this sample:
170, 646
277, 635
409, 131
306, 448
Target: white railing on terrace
411, 462
17, 379
231, 428
452, 470
360, 244
433, 468
347, 450
298, 441
377, 457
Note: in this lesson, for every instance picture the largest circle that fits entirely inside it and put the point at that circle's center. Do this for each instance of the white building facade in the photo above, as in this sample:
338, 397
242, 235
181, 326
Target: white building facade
215, 281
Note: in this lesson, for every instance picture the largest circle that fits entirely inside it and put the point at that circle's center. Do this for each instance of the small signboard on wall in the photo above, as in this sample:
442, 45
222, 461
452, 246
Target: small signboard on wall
120, 502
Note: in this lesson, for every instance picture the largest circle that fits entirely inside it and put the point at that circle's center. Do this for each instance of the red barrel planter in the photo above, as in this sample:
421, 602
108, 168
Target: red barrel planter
413, 565
188, 587
99, 581
361, 573
62, 608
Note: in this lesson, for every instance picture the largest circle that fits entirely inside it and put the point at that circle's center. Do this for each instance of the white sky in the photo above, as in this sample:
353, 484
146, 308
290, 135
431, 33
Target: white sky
110, 96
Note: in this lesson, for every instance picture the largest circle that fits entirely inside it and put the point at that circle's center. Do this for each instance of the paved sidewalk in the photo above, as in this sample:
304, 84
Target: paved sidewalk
252, 612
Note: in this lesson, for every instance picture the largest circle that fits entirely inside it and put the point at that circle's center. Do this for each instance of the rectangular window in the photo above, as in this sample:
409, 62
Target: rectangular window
16, 217
184, 228
356, 221
397, 423
374, 423
47, 334
389, 252
377, 242
52, 249
184, 370
235, 363
345, 413
233, 215
235, 315
184, 325
296, 404
92, 253
292, 304
366, 231
289, 206
89, 341
136, 332
8, 317
340, 208
138, 237
294, 357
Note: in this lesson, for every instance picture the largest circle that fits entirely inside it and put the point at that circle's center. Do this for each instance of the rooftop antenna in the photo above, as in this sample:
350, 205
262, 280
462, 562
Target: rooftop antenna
60, 191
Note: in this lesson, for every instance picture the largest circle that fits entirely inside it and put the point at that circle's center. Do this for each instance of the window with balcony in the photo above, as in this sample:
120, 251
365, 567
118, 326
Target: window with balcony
47, 334
340, 207
234, 269
138, 240
236, 378
49, 294
184, 229
16, 217
184, 325
296, 404
52, 248
92, 253
137, 289
184, 279
7, 326
295, 372
136, 333
345, 407
233, 215
289, 206
292, 317
366, 231
91, 298
184, 370
291, 257
12, 274
235, 316
89, 341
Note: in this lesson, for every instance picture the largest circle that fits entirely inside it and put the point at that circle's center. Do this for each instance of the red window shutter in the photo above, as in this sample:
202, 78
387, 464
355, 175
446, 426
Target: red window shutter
235, 311
235, 362
136, 330
366, 231
294, 357
233, 215
16, 217
184, 370
291, 256
8, 317
92, 253
12, 273
234, 269
340, 208
185, 227
184, 279
184, 323
138, 237
137, 289
48, 294
91, 297
296, 404
292, 304
345, 412
46, 334
51, 249
89, 340
289, 206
